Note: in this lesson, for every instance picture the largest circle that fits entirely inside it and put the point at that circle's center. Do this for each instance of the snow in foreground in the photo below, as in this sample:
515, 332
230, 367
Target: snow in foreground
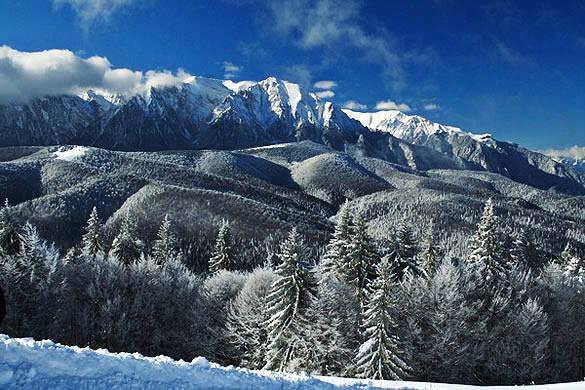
29, 364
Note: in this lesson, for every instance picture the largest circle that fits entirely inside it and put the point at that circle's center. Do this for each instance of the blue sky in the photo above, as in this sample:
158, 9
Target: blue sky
512, 68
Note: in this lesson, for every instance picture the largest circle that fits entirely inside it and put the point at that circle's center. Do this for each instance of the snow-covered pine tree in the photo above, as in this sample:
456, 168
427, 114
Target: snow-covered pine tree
9, 238
525, 252
92, 239
222, 256
568, 253
485, 256
402, 258
575, 268
430, 255
378, 356
290, 298
125, 246
362, 258
335, 334
336, 260
165, 245
246, 319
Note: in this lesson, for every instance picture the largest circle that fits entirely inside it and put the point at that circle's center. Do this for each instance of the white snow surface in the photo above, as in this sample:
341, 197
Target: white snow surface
29, 364
407, 127
70, 154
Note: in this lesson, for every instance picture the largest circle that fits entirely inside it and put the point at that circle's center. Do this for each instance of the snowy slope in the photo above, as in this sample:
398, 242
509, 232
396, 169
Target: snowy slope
475, 151
29, 364
412, 128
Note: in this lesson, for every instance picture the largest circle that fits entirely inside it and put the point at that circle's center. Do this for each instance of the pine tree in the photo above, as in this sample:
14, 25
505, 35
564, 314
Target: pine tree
568, 252
407, 243
290, 298
92, 239
165, 245
222, 256
362, 258
575, 268
377, 357
125, 246
525, 252
337, 259
402, 258
485, 254
430, 255
9, 238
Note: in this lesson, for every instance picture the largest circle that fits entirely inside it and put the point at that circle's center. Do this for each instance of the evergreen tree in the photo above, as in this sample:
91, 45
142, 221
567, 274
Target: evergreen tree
165, 245
525, 252
568, 253
336, 328
337, 259
362, 258
222, 256
291, 296
125, 246
377, 357
92, 239
485, 256
402, 258
575, 267
9, 238
430, 255
247, 317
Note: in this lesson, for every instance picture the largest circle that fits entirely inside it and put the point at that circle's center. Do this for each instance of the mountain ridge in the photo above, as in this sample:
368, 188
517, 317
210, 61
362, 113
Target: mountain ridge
203, 113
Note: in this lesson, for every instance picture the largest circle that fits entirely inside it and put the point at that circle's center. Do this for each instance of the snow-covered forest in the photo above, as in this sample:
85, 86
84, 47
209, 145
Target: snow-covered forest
356, 307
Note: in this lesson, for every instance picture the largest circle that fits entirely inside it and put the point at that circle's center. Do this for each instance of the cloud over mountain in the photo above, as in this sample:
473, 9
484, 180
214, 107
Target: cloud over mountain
574, 152
26, 75
390, 105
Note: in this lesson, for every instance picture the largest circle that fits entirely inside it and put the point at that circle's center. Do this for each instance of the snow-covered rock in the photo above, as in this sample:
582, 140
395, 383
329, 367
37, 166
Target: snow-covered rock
29, 364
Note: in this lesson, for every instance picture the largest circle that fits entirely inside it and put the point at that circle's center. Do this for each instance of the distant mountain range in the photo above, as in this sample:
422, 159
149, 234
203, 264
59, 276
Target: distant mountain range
204, 113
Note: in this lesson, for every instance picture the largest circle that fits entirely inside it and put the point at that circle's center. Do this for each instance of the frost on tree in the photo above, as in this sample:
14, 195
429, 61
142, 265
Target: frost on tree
290, 298
125, 246
165, 245
378, 357
524, 252
9, 239
222, 256
92, 239
362, 258
403, 259
485, 256
430, 255
336, 261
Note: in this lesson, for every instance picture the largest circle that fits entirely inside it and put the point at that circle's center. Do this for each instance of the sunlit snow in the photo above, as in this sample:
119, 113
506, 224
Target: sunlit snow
71, 154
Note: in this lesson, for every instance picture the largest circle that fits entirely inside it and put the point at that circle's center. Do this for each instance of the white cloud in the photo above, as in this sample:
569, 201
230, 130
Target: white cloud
325, 94
325, 84
390, 105
432, 107
353, 105
575, 152
333, 25
26, 75
90, 11
231, 70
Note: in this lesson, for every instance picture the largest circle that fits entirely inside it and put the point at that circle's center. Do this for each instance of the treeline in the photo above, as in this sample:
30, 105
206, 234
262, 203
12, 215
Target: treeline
395, 309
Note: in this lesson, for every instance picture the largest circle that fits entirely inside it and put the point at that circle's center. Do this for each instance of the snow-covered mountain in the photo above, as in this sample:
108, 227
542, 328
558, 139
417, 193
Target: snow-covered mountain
199, 113
474, 151
575, 163
204, 113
